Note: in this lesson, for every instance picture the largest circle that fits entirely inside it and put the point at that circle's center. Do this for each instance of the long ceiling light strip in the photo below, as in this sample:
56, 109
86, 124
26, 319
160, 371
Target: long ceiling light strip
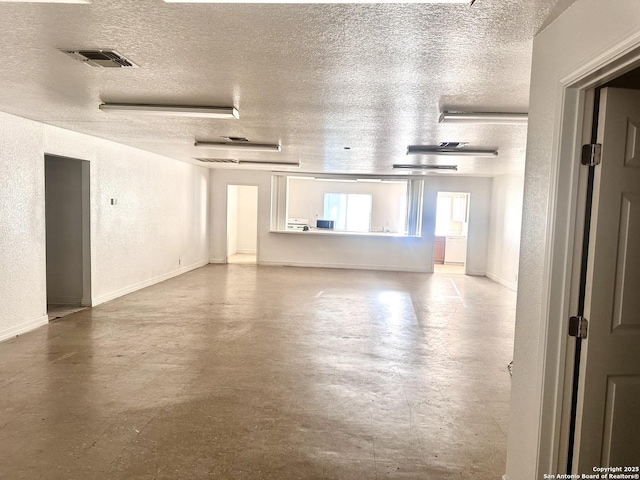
484, 118
45, 1
171, 110
258, 162
406, 166
467, 2
455, 152
246, 147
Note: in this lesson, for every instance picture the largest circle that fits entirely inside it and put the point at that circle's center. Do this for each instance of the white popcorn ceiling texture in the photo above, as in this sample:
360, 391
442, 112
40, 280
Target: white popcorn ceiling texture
314, 78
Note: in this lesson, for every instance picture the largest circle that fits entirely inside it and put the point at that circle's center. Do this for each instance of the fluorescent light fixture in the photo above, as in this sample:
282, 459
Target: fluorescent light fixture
445, 151
484, 117
170, 110
369, 180
258, 162
343, 180
45, 1
425, 167
467, 2
244, 146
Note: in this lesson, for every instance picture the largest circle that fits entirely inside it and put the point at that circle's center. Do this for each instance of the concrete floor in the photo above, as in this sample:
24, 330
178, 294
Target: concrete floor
230, 372
242, 258
448, 268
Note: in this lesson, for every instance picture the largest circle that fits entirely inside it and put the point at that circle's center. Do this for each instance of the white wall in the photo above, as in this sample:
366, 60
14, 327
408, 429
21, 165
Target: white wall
63, 210
561, 50
23, 287
306, 200
159, 221
247, 219
232, 220
504, 229
352, 251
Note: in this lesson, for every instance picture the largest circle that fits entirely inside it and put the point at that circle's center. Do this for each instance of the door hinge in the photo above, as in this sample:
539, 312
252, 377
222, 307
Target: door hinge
591, 154
578, 327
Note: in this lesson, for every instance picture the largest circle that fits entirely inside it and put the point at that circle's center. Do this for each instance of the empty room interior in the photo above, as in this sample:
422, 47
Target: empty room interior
313, 241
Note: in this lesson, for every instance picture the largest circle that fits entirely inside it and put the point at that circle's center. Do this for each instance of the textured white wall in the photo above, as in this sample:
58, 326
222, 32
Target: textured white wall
23, 287
247, 219
340, 251
559, 50
504, 229
63, 208
160, 218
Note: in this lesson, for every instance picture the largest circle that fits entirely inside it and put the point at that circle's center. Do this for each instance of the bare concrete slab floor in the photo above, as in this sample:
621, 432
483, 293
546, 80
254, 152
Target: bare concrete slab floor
231, 372
448, 268
59, 311
242, 258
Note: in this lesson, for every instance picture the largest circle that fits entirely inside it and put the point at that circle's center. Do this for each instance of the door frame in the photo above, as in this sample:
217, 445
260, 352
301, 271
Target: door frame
85, 166
566, 205
468, 194
226, 216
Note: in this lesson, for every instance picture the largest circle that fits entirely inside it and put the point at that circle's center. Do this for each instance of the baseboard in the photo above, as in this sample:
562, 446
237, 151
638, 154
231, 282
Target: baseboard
475, 273
217, 260
147, 283
511, 285
64, 300
386, 268
247, 252
23, 328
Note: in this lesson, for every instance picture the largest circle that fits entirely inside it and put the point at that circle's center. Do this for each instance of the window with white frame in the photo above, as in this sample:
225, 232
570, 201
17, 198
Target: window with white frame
350, 212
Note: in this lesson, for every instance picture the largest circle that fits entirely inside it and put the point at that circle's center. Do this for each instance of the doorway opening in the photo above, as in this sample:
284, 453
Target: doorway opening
452, 229
590, 371
242, 224
68, 245
609, 200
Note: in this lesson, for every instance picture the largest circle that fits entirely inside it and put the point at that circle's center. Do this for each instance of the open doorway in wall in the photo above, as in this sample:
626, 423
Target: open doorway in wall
242, 224
68, 245
452, 228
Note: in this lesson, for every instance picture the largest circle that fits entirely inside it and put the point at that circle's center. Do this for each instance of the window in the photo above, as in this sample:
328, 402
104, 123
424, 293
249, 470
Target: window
451, 213
350, 211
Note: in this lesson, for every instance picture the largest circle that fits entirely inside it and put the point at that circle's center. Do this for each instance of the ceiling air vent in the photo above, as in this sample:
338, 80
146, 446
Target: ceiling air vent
100, 58
217, 160
236, 139
453, 144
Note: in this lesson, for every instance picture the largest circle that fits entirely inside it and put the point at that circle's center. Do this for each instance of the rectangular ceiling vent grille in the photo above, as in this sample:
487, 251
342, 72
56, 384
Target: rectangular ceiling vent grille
217, 160
101, 58
237, 139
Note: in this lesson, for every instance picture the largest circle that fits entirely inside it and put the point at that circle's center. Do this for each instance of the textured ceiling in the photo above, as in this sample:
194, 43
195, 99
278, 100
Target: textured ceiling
313, 77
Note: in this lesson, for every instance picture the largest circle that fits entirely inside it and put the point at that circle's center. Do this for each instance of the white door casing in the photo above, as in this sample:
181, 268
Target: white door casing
608, 425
